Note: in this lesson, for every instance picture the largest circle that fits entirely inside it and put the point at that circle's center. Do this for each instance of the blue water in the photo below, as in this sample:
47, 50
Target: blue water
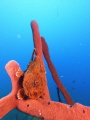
65, 24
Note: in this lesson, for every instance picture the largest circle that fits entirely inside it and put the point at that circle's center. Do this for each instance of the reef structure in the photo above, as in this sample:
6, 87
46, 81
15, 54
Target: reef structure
35, 100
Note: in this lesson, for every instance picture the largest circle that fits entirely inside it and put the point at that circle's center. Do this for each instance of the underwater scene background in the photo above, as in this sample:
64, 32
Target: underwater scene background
65, 24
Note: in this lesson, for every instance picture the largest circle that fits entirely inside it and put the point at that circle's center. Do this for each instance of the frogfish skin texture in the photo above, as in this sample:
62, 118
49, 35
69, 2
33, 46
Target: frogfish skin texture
34, 79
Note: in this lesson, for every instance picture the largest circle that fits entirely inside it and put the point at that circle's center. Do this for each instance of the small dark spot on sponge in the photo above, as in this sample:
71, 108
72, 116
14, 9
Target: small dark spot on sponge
42, 118
27, 105
70, 105
83, 111
48, 103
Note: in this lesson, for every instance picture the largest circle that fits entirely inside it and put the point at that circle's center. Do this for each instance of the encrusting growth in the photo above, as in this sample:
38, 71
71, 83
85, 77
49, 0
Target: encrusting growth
34, 79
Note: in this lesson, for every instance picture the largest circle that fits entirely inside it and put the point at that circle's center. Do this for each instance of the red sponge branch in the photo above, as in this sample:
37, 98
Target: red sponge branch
54, 73
36, 38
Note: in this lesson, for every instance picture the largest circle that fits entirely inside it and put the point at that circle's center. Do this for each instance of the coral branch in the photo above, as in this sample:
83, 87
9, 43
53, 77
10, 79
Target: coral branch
54, 73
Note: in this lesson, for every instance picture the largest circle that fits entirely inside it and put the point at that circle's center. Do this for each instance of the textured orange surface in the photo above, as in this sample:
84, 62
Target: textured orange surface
34, 79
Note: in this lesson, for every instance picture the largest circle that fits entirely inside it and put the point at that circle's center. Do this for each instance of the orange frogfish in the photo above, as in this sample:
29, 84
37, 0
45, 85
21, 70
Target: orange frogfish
34, 80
